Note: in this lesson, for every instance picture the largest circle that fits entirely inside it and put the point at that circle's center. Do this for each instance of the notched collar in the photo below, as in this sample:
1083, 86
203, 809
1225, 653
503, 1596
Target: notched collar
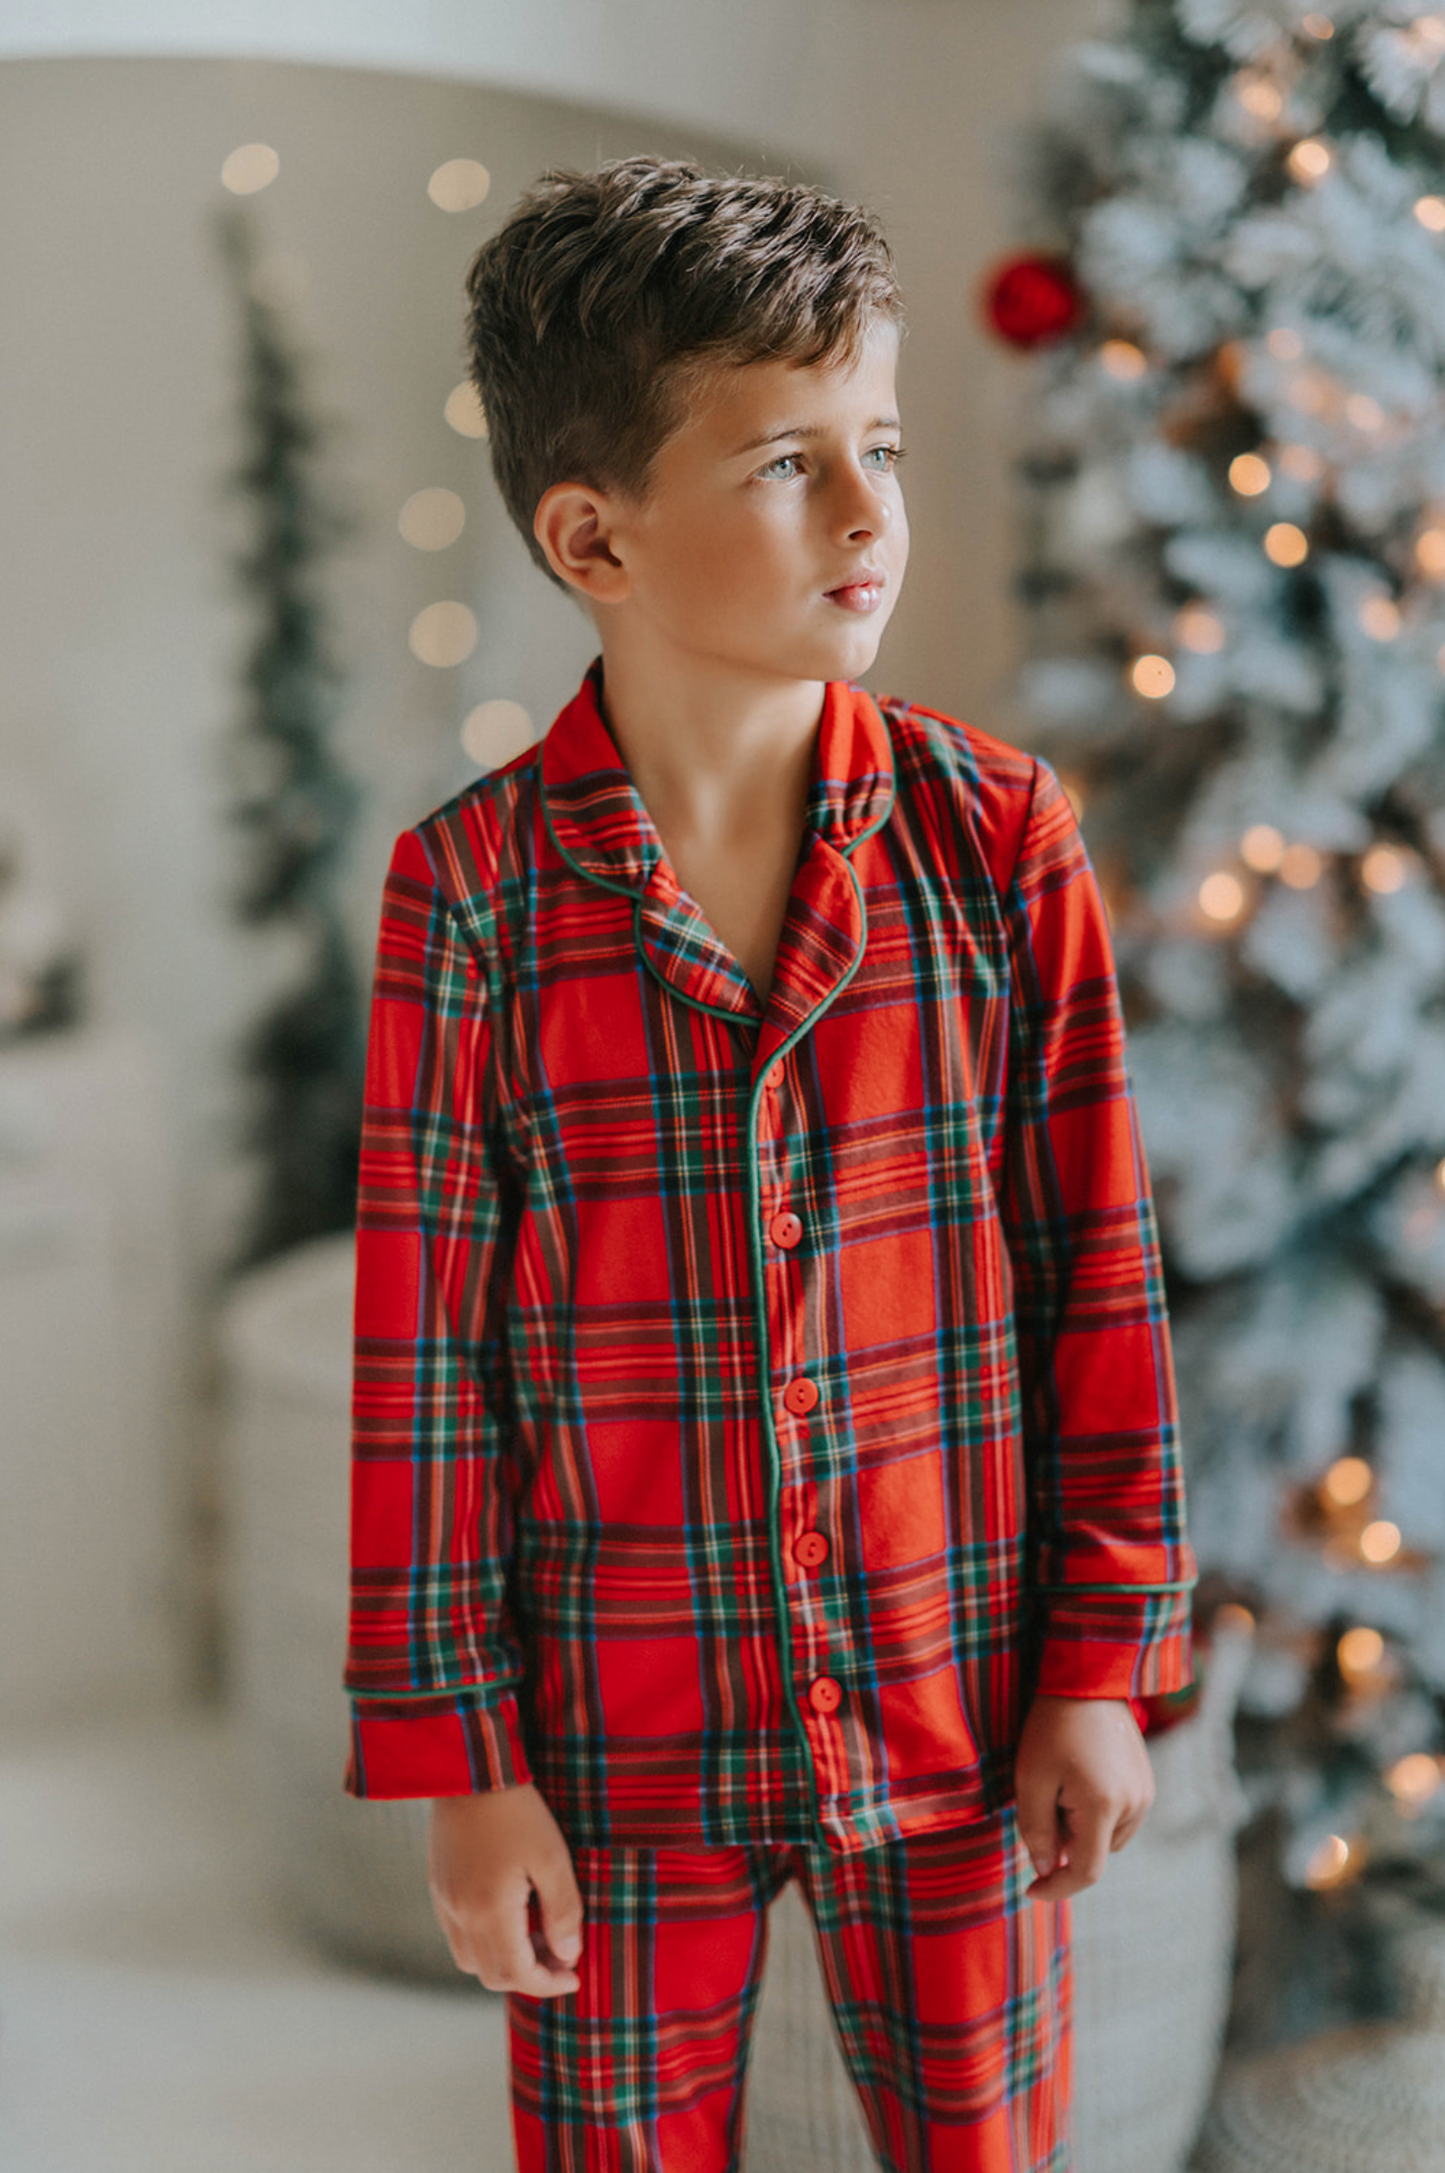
601, 826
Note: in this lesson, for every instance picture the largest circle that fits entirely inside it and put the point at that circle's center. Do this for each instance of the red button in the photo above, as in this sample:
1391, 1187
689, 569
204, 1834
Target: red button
785, 1230
825, 1695
800, 1395
810, 1548
775, 1074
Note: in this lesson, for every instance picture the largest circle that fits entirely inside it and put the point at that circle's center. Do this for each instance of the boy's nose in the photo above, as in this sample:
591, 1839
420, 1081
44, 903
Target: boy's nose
864, 510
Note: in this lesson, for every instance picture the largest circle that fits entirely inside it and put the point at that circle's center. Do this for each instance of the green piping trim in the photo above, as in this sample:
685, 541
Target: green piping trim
484, 1701
622, 890
853, 843
1185, 1584
709, 1011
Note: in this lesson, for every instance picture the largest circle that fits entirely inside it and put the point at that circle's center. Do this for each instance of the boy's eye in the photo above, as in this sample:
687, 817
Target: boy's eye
785, 467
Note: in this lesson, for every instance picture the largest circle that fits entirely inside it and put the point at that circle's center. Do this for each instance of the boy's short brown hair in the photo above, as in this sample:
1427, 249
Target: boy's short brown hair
606, 295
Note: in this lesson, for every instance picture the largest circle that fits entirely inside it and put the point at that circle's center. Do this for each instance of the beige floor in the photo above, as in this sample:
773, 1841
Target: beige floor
156, 2017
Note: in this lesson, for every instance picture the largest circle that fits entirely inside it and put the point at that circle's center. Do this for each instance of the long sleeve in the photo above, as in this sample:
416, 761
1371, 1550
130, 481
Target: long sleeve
433, 1663
1113, 1567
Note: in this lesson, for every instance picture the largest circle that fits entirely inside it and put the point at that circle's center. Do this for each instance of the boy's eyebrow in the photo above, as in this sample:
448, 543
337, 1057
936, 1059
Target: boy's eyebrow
809, 430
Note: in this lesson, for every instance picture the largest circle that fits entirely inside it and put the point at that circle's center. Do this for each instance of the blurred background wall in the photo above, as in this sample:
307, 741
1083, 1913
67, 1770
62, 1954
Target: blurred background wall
119, 381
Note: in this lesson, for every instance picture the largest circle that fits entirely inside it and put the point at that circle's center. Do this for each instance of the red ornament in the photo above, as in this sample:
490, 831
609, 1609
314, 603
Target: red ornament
1031, 300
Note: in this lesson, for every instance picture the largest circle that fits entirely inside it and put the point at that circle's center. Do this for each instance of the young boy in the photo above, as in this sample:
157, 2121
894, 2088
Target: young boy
765, 1449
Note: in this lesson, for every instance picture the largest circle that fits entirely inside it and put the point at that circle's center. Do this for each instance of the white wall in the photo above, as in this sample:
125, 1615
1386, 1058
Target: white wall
118, 384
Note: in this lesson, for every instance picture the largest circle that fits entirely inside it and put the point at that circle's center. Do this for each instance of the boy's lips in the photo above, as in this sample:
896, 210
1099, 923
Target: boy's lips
862, 593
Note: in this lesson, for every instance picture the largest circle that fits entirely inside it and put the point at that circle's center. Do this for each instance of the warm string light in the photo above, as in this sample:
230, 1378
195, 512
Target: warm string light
1309, 161
1335, 1861
1360, 1655
1262, 848
1286, 545
1384, 869
1222, 896
1234, 1615
1430, 211
1380, 1542
1430, 553
1152, 676
1259, 94
1249, 474
1199, 629
1301, 867
1122, 359
1347, 1482
1413, 1780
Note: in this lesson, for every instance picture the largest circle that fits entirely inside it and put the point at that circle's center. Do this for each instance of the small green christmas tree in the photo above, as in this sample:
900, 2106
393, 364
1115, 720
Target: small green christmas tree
1235, 593
290, 799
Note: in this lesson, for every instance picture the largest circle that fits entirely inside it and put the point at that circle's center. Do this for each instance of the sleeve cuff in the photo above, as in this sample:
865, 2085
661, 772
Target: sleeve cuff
462, 1750
1135, 1644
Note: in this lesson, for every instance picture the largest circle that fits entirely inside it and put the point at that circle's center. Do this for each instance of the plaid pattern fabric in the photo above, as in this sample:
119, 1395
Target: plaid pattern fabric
951, 1994
752, 1405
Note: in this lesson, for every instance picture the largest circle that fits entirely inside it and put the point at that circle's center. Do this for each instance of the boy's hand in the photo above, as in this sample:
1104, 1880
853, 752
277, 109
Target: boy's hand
488, 1854
1084, 1782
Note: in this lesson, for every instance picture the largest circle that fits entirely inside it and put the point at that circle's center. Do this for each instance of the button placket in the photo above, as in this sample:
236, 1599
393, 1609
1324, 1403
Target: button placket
798, 1397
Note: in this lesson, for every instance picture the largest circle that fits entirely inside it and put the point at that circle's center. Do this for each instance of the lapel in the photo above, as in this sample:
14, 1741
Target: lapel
600, 826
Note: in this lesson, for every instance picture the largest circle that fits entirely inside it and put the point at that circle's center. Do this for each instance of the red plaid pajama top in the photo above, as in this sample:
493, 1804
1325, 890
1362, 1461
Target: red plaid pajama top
753, 1404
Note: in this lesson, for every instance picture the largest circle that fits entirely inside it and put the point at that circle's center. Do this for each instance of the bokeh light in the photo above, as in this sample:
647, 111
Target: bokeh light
1286, 545
1310, 160
459, 185
432, 518
1414, 1779
1221, 896
1380, 1541
1301, 867
1152, 676
495, 731
464, 410
251, 166
443, 634
1359, 1653
1249, 475
1122, 359
1330, 1862
1199, 629
1262, 848
1347, 1481
1384, 868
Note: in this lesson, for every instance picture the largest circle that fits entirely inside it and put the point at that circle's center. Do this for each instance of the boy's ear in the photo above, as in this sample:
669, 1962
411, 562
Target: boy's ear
573, 524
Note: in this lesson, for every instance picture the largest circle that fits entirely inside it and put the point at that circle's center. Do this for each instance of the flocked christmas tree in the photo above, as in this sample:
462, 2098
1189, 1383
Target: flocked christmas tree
290, 797
1234, 580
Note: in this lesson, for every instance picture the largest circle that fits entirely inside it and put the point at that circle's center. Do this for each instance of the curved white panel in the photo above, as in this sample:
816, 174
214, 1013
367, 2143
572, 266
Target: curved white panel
741, 68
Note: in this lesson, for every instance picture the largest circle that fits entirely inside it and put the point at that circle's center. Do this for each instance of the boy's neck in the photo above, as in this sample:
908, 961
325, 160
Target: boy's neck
708, 752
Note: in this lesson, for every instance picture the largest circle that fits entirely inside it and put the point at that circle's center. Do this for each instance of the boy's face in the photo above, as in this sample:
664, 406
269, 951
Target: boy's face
773, 540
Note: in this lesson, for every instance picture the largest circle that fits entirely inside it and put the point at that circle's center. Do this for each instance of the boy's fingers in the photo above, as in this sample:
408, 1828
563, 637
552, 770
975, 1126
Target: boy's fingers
1038, 1816
1090, 1830
1128, 1826
509, 1961
559, 1906
494, 1944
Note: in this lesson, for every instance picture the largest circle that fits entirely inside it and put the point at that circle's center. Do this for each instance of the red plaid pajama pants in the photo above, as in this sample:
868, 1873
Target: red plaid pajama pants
950, 1990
